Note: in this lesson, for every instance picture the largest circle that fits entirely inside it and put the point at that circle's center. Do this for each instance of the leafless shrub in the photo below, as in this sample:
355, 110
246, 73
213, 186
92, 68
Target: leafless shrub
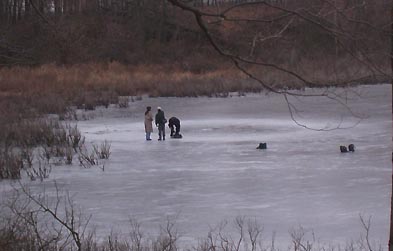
60, 151
107, 97
23, 229
17, 233
27, 155
254, 230
75, 138
34, 132
52, 133
136, 236
123, 101
54, 221
89, 243
104, 151
69, 155
46, 153
115, 243
248, 236
10, 164
41, 171
364, 241
60, 136
55, 139
87, 158
167, 240
299, 241
40, 223
69, 114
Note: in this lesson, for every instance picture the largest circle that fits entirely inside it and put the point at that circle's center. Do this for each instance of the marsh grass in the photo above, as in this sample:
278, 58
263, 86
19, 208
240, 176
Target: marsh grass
51, 88
34, 146
29, 94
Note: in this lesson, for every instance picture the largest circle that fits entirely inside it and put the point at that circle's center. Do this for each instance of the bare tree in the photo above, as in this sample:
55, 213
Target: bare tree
391, 63
356, 34
283, 26
39, 212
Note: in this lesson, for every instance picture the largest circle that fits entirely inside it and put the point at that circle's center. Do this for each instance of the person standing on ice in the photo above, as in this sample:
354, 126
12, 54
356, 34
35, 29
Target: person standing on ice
160, 123
148, 123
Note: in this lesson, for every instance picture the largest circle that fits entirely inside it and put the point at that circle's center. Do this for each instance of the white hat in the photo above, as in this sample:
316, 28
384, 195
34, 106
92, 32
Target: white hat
159, 108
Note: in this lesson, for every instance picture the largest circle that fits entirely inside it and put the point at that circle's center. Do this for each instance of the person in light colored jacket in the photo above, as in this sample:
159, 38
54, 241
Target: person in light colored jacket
148, 122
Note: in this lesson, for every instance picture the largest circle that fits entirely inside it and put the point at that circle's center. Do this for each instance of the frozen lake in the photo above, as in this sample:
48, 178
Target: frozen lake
215, 173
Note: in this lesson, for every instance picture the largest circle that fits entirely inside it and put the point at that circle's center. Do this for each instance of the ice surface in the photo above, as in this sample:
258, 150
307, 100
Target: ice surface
215, 173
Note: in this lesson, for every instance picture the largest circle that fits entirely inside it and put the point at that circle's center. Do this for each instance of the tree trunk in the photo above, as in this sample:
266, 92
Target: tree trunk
57, 7
27, 8
14, 11
391, 64
161, 29
65, 10
20, 10
92, 5
1, 11
6, 11
41, 6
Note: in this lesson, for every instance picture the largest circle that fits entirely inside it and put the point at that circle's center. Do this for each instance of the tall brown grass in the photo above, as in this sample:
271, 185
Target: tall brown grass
51, 88
114, 77
28, 92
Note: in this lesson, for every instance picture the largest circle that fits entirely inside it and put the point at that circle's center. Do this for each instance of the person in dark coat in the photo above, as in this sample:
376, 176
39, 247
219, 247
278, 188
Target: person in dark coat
174, 124
160, 123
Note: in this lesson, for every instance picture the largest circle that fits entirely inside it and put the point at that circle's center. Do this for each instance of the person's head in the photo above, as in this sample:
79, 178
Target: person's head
148, 109
159, 108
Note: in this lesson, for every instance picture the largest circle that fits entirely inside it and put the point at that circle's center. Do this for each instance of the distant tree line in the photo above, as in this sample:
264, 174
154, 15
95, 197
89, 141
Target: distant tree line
12, 11
154, 31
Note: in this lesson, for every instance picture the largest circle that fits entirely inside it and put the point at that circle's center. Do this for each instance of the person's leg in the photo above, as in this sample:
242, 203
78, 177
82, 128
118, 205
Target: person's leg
148, 135
172, 131
177, 129
159, 132
163, 132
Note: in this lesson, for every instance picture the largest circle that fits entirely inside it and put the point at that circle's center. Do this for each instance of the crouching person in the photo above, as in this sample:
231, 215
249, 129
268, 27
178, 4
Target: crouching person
174, 125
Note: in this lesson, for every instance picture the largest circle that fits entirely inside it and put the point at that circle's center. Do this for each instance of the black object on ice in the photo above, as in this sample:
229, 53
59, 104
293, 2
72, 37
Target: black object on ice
351, 148
177, 136
262, 146
174, 124
343, 149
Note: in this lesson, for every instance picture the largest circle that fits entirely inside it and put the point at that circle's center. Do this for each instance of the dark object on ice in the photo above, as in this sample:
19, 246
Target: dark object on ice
351, 148
177, 136
343, 149
262, 146
174, 124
